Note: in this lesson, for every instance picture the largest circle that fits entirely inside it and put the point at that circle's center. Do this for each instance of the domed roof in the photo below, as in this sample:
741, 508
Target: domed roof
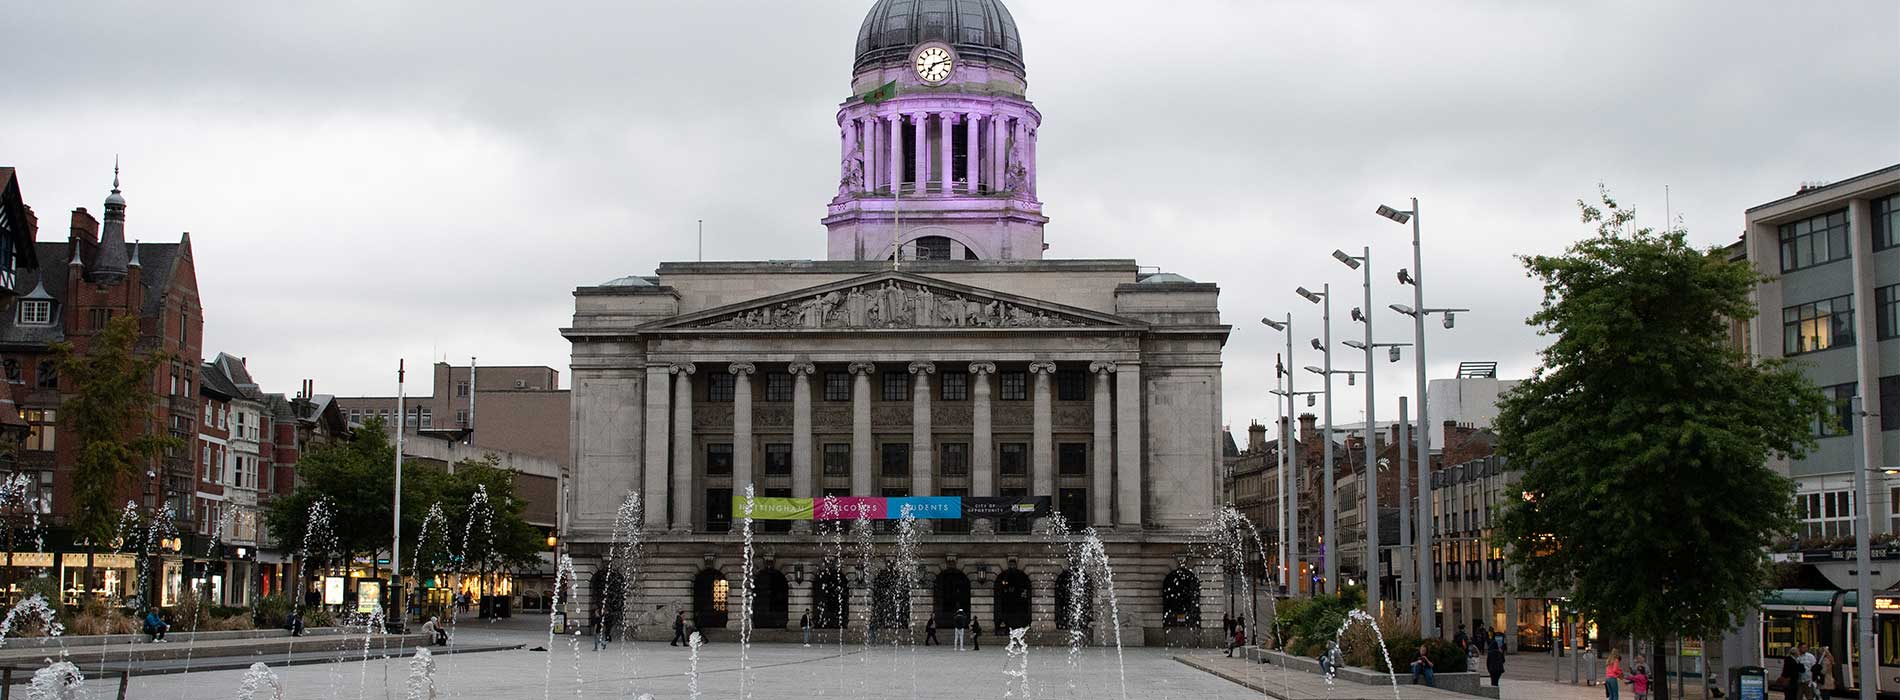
978, 29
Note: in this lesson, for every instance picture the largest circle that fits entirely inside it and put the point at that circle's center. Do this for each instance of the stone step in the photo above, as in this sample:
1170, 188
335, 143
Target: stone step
75, 640
142, 652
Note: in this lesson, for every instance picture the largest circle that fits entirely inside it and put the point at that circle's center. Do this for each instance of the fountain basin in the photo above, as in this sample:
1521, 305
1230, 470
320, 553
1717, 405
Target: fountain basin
263, 649
1464, 682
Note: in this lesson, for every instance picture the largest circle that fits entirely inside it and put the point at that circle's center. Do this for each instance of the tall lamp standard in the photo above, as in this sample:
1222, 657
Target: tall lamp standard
1371, 445
1863, 555
1331, 520
1289, 498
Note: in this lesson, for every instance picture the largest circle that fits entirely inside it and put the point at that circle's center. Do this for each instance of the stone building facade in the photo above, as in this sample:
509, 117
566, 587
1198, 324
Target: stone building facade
915, 372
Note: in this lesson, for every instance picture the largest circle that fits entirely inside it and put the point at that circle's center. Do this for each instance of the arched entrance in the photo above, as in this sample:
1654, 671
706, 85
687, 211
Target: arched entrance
1012, 601
1074, 607
952, 596
609, 593
890, 599
831, 600
711, 591
771, 599
1181, 599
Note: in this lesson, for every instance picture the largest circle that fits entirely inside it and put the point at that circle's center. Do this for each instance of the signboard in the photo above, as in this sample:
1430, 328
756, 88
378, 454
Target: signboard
925, 507
32, 559
849, 508
1752, 686
369, 595
771, 508
1023, 507
1886, 603
333, 590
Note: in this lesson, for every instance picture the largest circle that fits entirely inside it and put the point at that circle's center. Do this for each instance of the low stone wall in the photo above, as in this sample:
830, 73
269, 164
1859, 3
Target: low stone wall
1464, 682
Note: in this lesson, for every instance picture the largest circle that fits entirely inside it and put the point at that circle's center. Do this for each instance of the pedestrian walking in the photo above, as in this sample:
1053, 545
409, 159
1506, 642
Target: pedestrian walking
1791, 672
1226, 625
1822, 668
1613, 676
679, 630
600, 633
1494, 663
804, 625
930, 631
961, 621
1805, 677
1639, 681
1461, 639
976, 635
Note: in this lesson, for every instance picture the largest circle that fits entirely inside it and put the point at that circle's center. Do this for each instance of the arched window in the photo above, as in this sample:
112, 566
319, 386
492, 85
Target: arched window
933, 248
1074, 607
711, 591
610, 593
890, 599
952, 594
1181, 599
831, 600
771, 599
1012, 601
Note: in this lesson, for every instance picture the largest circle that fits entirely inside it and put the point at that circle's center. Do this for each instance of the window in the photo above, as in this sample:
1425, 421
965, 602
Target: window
1015, 385
1838, 417
1012, 523
184, 327
778, 386
1886, 222
1012, 458
1074, 506
895, 458
1825, 513
36, 312
775, 525
1813, 241
719, 458
1072, 385
719, 510
204, 459
1887, 311
15, 373
48, 374
42, 428
837, 386
1817, 326
461, 418
719, 387
954, 387
428, 417
837, 459
98, 318
933, 248
209, 407
955, 458
1072, 459
1890, 404
896, 387
778, 459
461, 389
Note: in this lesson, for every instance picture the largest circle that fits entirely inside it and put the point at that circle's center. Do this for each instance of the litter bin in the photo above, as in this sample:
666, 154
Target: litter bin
1748, 683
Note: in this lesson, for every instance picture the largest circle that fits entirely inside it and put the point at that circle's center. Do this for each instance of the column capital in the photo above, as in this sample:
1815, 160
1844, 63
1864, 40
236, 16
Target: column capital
1042, 367
742, 368
686, 368
982, 368
862, 368
802, 369
923, 367
1102, 366
950, 116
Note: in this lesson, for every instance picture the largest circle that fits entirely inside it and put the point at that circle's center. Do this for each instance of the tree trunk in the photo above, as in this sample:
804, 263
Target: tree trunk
1659, 670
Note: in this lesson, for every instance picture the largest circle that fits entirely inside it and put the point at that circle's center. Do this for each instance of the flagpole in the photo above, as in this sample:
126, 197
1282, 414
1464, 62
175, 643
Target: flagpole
395, 530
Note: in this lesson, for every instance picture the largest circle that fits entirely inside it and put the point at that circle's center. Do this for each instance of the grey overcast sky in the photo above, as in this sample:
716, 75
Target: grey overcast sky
369, 180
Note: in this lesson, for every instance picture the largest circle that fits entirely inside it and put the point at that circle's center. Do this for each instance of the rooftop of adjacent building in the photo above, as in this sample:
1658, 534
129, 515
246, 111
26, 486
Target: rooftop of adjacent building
1811, 195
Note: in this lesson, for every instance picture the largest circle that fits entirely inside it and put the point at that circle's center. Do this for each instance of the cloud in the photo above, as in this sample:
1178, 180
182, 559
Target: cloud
369, 180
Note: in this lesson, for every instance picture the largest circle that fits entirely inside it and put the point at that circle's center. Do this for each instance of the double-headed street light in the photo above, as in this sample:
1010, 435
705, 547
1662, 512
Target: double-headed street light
1290, 553
1331, 520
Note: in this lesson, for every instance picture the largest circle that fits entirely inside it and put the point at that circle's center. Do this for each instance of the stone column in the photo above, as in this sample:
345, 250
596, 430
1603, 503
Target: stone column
659, 421
946, 124
683, 446
921, 452
982, 459
897, 151
999, 151
1029, 158
1042, 440
922, 134
847, 147
973, 162
1128, 445
741, 425
1102, 450
861, 484
802, 476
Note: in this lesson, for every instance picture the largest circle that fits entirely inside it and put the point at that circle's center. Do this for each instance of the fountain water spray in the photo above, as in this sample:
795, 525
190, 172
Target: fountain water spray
1357, 616
259, 678
60, 680
692, 665
563, 578
1017, 668
421, 682
373, 624
623, 567
745, 600
34, 608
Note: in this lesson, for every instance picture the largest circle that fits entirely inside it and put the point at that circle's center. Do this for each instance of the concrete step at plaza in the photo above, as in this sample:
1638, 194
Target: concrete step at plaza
144, 652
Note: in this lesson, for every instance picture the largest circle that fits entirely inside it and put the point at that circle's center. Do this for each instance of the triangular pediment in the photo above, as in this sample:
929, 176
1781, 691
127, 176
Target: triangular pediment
893, 300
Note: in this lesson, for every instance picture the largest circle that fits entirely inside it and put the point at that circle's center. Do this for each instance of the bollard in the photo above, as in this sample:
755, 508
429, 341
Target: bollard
6, 683
125, 679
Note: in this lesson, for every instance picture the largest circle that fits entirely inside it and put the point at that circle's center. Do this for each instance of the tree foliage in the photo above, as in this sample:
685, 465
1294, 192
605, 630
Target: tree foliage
1643, 438
109, 414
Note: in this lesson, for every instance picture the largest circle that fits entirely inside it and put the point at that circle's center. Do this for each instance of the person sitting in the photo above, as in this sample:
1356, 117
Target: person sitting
155, 625
1422, 667
294, 623
437, 635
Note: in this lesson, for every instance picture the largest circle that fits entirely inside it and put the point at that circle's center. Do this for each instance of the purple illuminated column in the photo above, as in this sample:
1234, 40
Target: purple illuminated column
997, 155
867, 144
847, 143
922, 136
973, 163
897, 152
946, 121
1029, 154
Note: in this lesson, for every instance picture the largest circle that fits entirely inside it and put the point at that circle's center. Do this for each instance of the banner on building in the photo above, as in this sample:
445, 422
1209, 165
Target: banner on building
849, 508
1006, 506
773, 508
924, 507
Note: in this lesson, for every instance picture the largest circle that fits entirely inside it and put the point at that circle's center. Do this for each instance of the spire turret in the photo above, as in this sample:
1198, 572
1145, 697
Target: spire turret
110, 265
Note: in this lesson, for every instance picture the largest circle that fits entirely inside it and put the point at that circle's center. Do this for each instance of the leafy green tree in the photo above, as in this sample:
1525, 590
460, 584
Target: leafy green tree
353, 476
110, 416
1643, 438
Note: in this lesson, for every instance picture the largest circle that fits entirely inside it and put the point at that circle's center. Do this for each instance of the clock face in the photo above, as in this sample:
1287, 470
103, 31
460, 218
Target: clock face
933, 64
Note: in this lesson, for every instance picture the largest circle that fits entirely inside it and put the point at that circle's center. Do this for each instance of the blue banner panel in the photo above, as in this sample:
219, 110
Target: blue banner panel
924, 507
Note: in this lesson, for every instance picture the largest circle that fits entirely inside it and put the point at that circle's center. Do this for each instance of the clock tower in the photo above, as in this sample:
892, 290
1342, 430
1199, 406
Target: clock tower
938, 141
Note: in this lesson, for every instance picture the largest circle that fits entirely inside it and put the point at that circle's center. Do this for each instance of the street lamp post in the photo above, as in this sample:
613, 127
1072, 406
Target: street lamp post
1289, 497
1329, 542
1863, 558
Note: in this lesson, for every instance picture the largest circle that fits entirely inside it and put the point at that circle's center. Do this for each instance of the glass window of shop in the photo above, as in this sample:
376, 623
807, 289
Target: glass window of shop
23, 567
114, 575
1782, 629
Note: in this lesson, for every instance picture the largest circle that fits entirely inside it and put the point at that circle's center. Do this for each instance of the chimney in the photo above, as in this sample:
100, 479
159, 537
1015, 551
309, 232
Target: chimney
1256, 438
1311, 439
84, 227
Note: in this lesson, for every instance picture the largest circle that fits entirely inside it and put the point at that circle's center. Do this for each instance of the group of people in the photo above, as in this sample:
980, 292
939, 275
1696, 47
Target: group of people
1486, 643
1803, 674
1615, 675
1234, 630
